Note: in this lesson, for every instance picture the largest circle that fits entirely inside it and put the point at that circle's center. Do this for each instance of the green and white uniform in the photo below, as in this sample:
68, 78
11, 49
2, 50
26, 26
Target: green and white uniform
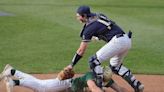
53, 85
78, 84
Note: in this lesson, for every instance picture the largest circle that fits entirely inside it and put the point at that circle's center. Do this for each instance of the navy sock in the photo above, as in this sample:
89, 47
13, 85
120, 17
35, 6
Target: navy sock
17, 82
13, 71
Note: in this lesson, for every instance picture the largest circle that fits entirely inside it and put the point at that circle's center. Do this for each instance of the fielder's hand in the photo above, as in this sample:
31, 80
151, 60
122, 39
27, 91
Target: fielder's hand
66, 74
69, 67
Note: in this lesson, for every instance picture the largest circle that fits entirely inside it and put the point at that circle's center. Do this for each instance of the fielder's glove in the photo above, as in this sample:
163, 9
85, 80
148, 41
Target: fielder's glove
66, 74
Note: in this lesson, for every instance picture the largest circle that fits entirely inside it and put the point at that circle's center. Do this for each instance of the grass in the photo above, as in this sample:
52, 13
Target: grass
42, 36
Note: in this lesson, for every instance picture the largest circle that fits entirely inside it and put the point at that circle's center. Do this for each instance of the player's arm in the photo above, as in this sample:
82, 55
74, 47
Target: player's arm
82, 48
115, 87
93, 87
79, 53
86, 37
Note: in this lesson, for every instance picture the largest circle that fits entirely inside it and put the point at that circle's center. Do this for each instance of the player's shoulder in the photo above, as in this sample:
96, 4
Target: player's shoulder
90, 29
101, 15
92, 26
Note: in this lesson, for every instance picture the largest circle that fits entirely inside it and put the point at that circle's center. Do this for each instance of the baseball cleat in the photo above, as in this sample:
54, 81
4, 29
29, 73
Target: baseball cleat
9, 84
141, 88
6, 72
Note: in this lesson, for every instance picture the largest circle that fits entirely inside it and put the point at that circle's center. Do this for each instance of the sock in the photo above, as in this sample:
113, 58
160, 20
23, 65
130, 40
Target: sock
13, 71
17, 82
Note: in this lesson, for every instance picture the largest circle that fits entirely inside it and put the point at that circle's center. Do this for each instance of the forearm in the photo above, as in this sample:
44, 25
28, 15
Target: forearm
96, 90
92, 86
75, 59
82, 48
115, 87
79, 53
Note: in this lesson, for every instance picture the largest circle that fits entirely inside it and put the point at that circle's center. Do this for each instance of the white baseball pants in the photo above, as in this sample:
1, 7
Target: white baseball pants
116, 50
49, 85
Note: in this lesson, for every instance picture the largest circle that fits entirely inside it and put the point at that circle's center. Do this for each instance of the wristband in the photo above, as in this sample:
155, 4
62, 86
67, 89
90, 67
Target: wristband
75, 59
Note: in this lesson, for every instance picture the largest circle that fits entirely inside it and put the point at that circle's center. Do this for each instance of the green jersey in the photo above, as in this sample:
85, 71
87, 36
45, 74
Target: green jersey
78, 84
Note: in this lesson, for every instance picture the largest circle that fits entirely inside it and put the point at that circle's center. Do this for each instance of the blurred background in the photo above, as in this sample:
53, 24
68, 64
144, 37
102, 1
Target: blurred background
41, 36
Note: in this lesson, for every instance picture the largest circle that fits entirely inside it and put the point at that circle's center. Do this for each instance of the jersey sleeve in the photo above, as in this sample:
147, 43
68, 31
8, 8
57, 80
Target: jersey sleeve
89, 76
86, 38
88, 32
80, 82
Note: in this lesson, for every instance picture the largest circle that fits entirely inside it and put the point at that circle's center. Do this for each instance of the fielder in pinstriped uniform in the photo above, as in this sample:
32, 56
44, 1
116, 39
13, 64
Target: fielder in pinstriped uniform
116, 48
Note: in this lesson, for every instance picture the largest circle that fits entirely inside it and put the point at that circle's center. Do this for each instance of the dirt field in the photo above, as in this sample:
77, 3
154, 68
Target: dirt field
153, 83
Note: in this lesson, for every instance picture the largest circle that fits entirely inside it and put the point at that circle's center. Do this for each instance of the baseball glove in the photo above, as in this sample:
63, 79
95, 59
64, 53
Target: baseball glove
65, 74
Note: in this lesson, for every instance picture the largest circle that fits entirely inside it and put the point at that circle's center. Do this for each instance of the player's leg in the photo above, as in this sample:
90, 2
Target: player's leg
26, 80
10, 71
32, 83
7, 71
117, 49
48, 85
111, 84
109, 50
115, 87
125, 73
56, 84
9, 84
95, 66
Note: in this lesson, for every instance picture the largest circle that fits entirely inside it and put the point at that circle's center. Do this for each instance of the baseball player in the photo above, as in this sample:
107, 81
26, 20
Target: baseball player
116, 48
56, 85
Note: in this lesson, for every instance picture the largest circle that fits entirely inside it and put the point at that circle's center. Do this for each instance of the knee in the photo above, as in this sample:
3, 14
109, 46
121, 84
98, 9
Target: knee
93, 62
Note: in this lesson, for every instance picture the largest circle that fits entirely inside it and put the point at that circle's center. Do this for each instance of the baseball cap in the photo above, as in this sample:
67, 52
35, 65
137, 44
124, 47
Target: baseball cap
85, 10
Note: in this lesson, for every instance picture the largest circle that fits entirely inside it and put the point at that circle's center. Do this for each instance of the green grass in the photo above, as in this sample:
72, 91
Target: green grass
42, 36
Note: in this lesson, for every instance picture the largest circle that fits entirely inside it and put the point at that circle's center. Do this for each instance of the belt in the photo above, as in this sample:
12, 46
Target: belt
119, 35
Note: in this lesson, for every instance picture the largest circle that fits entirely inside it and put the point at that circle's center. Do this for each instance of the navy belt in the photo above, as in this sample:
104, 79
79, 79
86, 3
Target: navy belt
119, 35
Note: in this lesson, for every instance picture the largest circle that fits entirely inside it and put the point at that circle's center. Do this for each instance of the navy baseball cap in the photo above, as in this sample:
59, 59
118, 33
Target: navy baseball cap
85, 10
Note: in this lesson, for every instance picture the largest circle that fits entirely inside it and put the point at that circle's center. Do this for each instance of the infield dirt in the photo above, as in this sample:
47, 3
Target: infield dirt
153, 83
